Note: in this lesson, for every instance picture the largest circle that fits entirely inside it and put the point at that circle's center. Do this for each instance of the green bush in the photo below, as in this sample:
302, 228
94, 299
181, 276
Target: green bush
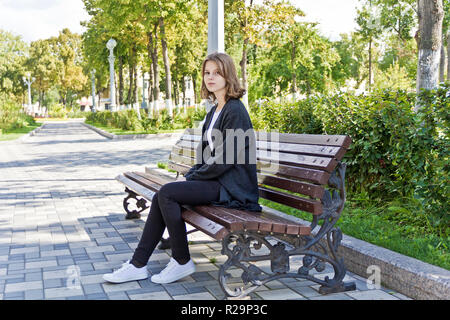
395, 152
12, 115
57, 110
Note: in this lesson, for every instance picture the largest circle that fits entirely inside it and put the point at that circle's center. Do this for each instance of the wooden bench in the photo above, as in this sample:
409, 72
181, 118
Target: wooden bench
301, 171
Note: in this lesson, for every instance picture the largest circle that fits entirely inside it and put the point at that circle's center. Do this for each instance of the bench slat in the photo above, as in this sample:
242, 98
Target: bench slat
202, 223
181, 168
269, 224
305, 149
312, 206
137, 188
187, 156
292, 185
143, 181
316, 139
233, 220
311, 175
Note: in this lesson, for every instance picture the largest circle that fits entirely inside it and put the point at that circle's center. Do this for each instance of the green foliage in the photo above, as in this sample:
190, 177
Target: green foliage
395, 152
11, 114
57, 110
128, 120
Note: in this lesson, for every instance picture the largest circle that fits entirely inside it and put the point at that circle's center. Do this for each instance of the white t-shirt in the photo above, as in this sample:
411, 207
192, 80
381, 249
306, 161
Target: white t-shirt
211, 125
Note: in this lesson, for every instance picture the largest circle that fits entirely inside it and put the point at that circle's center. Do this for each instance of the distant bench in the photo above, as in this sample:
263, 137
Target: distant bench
301, 171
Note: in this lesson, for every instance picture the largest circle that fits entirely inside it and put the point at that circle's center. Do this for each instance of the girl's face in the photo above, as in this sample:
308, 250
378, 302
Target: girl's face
214, 82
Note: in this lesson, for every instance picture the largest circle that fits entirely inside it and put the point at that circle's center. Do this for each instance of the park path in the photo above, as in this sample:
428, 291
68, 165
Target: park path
62, 224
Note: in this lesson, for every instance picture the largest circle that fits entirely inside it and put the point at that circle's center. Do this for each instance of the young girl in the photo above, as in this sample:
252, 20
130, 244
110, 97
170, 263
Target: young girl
219, 178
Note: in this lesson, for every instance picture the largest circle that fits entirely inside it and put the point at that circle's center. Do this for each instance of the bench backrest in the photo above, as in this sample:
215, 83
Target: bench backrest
293, 169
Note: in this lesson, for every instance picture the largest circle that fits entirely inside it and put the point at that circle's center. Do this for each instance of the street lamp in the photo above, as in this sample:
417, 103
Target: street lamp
93, 89
28, 82
112, 91
145, 79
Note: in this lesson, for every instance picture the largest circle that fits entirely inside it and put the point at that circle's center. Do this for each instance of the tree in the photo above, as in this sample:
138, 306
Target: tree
430, 14
13, 53
368, 19
44, 66
71, 79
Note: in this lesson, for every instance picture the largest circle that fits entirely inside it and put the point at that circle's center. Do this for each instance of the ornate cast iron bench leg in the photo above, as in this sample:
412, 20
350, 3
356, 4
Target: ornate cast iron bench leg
241, 248
141, 204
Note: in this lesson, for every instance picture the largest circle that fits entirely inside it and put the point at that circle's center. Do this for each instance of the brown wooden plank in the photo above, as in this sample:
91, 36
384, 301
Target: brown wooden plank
181, 159
308, 189
305, 149
183, 151
178, 167
312, 206
252, 223
314, 162
292, 228
156, 178
143, 181
317, 139
312, 175
202, 223
191, 145
231, 222
271, 224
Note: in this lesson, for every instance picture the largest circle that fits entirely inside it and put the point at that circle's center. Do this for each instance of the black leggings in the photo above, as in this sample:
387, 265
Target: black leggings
165, 212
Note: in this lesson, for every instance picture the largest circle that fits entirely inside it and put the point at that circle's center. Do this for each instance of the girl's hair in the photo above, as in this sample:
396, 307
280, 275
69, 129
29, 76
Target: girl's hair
228, 71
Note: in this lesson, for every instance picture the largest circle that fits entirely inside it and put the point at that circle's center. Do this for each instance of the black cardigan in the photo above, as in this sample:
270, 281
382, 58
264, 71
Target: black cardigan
239, 184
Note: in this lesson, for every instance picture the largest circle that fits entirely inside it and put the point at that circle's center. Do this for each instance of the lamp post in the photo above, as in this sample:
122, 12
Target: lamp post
112, 91
93, 89
145, 78
28, 81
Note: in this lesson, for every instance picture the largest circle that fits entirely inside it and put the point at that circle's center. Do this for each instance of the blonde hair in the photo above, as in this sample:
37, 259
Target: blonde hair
227, 70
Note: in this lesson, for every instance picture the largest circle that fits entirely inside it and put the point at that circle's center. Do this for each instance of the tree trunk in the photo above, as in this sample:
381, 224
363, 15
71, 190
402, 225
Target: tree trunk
166, 66
120, 80
135, 88
154, 47
194, 86
130, 83
243, 64
294, 76
370, 64
442, 63
430, 13
448, 56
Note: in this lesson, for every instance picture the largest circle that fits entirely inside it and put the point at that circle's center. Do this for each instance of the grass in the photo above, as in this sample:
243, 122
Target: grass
381, 225
18, 132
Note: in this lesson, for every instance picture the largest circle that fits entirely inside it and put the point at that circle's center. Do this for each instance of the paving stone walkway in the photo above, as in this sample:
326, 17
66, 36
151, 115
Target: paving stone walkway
62, 225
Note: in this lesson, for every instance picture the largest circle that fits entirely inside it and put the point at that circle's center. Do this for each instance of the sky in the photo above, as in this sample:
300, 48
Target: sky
42, 19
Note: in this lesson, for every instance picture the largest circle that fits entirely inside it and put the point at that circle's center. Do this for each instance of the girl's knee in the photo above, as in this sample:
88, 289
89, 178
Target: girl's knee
166, 190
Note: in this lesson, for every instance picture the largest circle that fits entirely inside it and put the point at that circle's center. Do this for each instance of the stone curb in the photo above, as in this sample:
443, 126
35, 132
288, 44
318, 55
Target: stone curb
132, 136
31, 133
409, 276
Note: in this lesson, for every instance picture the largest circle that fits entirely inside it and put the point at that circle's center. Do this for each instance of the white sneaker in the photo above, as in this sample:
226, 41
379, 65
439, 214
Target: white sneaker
174, 272
126, 273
